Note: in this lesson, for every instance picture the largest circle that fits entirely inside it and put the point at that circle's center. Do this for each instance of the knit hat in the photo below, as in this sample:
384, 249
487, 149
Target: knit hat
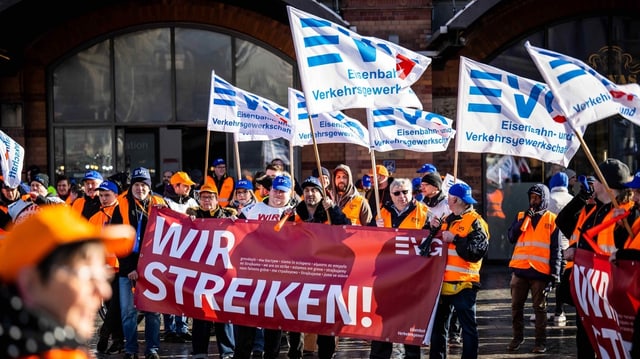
426, 168
615, 173
325, 172
30, 241
463, 191
141, 174
559, 179
433, 178
244, 184
41, 178
415, 183
312, 182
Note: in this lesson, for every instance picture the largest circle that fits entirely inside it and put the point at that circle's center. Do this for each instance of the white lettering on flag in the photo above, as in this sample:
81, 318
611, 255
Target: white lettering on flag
583, 98
12, 160
395, 128
234, 110
329, 127
340, 69
499, 112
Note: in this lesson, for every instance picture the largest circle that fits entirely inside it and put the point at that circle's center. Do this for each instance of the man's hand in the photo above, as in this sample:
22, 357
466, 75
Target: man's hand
569, 253
530, 213
380, 222
586, 191
448, 237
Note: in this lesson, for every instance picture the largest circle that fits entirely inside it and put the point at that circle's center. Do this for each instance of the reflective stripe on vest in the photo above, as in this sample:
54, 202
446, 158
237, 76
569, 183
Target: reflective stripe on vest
533, 248
457, 269
414, 220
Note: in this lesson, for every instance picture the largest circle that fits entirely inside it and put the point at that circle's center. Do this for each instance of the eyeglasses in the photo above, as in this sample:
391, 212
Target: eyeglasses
397, 193
205, 197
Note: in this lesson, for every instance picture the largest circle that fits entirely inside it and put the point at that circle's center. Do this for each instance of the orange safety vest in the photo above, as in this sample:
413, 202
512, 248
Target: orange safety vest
224, 193
416, 219
458, 269
533, 248
352, 209
78, 204
494, 204
124, 206
100, 219
604, 239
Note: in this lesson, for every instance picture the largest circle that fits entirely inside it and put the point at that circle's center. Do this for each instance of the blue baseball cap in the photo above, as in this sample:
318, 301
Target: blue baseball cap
92, 175
415, 183
427, 168
108, 186
218, 162
635, 183
281, 183
463, 191
366, 181
244, 184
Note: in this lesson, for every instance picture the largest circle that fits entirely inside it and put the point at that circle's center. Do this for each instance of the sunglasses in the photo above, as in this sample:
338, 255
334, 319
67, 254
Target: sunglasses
397, 193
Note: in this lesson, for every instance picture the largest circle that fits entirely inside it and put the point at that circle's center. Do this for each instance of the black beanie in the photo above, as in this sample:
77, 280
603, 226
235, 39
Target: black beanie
615, 173
433, 178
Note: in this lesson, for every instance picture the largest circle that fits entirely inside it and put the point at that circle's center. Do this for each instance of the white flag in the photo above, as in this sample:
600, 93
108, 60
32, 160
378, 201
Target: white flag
499, 112
582, 97
394, 128
329, 127
12, 160
234, 110
340, 69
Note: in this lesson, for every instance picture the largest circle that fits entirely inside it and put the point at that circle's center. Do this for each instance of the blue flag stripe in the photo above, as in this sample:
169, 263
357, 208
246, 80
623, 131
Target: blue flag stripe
323, 59
319, 40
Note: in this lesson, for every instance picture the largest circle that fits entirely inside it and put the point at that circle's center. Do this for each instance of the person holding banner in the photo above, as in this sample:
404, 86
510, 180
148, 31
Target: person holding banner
384, 183
535, 265
576, 218
243, 195
467, 235
353, 205
134, 208
272, 209
8, 195
402, 212
32, 202
314, 209
209, 208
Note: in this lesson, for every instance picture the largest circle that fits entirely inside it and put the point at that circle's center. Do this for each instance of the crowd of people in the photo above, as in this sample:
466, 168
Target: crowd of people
544, 234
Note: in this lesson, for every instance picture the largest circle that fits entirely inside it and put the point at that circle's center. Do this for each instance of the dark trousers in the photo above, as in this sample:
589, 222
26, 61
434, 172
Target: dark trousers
201, 330
326, 346
465, 304
382, 350
245, 337
112, 325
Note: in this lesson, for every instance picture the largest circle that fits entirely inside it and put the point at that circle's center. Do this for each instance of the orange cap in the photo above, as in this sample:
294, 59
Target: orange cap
208, 187
181, 177
381, 170
28, 242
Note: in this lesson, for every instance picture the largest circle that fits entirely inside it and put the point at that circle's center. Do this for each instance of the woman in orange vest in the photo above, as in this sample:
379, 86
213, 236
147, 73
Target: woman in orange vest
536, 262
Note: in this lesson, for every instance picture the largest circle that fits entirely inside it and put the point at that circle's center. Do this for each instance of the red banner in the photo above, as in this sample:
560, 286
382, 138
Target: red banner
607, 298
359, 282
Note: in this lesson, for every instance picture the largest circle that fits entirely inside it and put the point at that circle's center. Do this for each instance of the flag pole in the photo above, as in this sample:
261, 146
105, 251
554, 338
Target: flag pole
372, 153
601, 178
291, 168
206, 157
317, 155
236, 149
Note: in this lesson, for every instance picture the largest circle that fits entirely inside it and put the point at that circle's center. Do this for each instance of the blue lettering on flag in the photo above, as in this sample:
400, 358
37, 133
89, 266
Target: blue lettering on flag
384, 122
412, 119
252, 103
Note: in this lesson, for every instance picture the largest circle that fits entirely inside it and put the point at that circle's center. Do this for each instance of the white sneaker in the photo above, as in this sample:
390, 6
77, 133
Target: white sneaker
533, 317
560, 320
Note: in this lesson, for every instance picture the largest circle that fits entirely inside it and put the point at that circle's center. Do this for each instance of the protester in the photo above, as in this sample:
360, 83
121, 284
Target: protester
535, 265
165, 184
53, 280
274, 208
34, 200
402, 212
314, 209
90, 203
208, 208
576, 218
63, 189
427, 168
384, 196
467, 235
134, 208
222, 182
112, 323
558, 198
243, 195
352, 204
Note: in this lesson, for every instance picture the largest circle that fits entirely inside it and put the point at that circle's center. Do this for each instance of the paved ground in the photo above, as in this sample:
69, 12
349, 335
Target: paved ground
494, 319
